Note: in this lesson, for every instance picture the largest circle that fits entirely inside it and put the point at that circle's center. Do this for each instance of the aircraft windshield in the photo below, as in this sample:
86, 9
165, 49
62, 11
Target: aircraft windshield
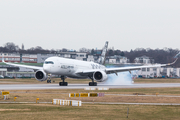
49, 62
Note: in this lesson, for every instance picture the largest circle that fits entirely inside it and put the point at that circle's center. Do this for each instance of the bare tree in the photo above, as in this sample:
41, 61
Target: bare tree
64, 50
11, 46
84, 50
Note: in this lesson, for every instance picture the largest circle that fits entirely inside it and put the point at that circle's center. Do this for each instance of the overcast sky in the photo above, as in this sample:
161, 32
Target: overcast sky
73, 24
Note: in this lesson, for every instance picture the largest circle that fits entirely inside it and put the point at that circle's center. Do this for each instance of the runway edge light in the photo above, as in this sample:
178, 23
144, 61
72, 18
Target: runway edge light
37, 100
15, 98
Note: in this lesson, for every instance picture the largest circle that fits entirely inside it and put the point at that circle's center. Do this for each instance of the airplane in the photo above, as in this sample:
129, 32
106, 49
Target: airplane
80, 69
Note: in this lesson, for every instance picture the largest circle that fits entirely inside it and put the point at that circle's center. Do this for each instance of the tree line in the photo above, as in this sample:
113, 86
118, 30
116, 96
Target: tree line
10, 47
162, 56
159, 55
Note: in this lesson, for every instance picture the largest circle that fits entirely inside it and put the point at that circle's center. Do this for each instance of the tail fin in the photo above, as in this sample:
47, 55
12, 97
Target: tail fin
102, 59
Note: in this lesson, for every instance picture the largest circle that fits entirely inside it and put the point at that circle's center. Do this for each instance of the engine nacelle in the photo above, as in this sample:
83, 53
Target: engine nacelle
40, 75
100, 76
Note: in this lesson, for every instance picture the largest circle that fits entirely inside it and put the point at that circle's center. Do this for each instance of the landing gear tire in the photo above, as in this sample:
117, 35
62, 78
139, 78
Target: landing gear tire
92, 83
48, 81
63, 83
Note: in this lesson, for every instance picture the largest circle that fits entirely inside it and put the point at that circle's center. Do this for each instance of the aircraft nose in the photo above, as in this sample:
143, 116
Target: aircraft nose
46, 68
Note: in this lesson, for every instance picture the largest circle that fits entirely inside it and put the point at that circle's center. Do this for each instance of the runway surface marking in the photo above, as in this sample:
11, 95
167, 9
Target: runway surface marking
82, 86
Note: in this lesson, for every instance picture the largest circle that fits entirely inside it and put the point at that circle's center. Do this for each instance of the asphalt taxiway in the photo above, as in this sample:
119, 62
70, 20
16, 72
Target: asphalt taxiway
82, 86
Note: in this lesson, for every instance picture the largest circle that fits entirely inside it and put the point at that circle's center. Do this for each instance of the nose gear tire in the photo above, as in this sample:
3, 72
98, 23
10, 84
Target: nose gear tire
48, 81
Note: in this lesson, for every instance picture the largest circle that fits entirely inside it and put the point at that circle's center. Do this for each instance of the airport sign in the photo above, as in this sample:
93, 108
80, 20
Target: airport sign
71, 94
5, 93
77, 94
84, 95
93, 95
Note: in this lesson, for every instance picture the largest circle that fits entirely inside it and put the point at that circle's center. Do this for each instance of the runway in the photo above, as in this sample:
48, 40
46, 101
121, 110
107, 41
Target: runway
82, 86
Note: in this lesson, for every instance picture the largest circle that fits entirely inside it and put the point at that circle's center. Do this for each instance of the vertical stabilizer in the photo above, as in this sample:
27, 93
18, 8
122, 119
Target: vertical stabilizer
102, 58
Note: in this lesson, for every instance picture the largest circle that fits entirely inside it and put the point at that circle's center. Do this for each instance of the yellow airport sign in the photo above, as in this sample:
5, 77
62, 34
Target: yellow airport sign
77, 94
71, 94
5, 92
84, 95
93, 94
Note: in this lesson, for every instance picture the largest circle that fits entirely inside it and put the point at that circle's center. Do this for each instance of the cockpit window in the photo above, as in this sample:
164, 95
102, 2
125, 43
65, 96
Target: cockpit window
49, 62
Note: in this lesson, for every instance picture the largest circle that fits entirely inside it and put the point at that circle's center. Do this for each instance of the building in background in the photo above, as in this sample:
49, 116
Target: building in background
163, 72
17, 57
117, 59
144, 60
3, 71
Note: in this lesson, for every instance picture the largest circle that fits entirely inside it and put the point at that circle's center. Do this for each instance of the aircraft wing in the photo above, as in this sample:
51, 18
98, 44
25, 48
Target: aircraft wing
121, 69
25, 66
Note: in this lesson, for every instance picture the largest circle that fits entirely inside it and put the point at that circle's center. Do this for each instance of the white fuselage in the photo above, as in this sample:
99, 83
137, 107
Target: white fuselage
68, 67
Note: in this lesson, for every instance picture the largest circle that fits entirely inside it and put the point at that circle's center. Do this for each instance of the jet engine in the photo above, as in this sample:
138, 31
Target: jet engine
40, 75
100, 76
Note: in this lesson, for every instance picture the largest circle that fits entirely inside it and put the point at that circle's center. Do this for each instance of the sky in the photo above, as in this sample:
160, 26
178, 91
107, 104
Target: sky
74, 24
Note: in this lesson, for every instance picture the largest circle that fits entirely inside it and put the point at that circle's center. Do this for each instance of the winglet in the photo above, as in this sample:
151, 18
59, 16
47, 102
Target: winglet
172, 62
177, 56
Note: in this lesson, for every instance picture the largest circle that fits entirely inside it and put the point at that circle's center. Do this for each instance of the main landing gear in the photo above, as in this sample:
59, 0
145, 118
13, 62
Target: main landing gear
63, 83
49, 78
92, 83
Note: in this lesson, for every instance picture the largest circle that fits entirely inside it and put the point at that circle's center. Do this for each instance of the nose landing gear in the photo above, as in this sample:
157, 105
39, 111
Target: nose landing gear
49, 78
63, 83
48, 81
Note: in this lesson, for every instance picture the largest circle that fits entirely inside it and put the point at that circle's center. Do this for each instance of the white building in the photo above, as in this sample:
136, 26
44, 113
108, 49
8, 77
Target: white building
81, 56
117, 59
3, 71
112, 61
158, 72
90, 58
17, 57
144, 60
